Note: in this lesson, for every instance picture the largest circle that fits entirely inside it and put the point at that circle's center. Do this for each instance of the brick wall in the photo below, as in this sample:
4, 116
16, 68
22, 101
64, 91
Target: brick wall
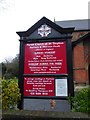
81, 58
79, 70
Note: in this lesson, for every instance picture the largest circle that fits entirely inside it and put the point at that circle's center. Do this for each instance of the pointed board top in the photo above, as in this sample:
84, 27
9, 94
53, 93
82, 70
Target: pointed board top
48, 22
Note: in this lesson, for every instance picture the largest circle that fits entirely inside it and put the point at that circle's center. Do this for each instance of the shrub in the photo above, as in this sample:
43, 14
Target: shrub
80, 102
10, 94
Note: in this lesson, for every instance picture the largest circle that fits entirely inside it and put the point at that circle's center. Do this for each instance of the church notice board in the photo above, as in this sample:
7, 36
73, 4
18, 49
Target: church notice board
45, 58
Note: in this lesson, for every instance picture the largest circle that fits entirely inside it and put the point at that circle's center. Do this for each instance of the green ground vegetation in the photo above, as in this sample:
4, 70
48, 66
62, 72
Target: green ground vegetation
81, 100
10, 93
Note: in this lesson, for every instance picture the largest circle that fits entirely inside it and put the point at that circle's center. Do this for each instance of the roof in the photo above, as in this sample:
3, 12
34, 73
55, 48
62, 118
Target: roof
83, 24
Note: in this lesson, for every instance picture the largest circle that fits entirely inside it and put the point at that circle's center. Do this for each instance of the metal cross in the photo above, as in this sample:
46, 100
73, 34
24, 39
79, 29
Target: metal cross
44, 30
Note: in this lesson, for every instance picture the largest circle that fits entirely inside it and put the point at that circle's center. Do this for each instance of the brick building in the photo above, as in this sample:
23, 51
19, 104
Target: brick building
81, 59
81, 49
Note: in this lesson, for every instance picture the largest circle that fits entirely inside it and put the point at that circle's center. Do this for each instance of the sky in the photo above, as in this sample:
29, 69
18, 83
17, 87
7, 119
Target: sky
20, 15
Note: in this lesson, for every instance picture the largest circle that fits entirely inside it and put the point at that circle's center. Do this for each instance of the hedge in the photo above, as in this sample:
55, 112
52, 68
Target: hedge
81, 101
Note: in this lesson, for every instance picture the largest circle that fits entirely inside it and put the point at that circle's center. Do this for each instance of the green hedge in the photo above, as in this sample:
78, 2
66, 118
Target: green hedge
81, 101
10, 93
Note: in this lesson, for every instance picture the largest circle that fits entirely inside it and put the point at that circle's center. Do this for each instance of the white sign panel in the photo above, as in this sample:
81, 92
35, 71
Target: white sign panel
61, 87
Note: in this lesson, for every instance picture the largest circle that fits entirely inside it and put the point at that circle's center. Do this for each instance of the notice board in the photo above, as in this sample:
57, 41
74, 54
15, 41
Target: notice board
47, 58
45, 62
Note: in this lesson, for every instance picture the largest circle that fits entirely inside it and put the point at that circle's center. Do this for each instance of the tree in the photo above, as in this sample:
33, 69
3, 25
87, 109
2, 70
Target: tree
5, 4
11, 68
3, 69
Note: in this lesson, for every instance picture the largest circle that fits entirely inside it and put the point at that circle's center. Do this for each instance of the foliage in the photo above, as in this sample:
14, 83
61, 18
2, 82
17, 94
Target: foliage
80, 102
3, 69
0, 94
10, 94
10, 68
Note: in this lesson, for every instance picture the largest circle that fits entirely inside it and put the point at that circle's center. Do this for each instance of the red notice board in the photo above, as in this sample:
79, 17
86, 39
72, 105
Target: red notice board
45, 58
39, 86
